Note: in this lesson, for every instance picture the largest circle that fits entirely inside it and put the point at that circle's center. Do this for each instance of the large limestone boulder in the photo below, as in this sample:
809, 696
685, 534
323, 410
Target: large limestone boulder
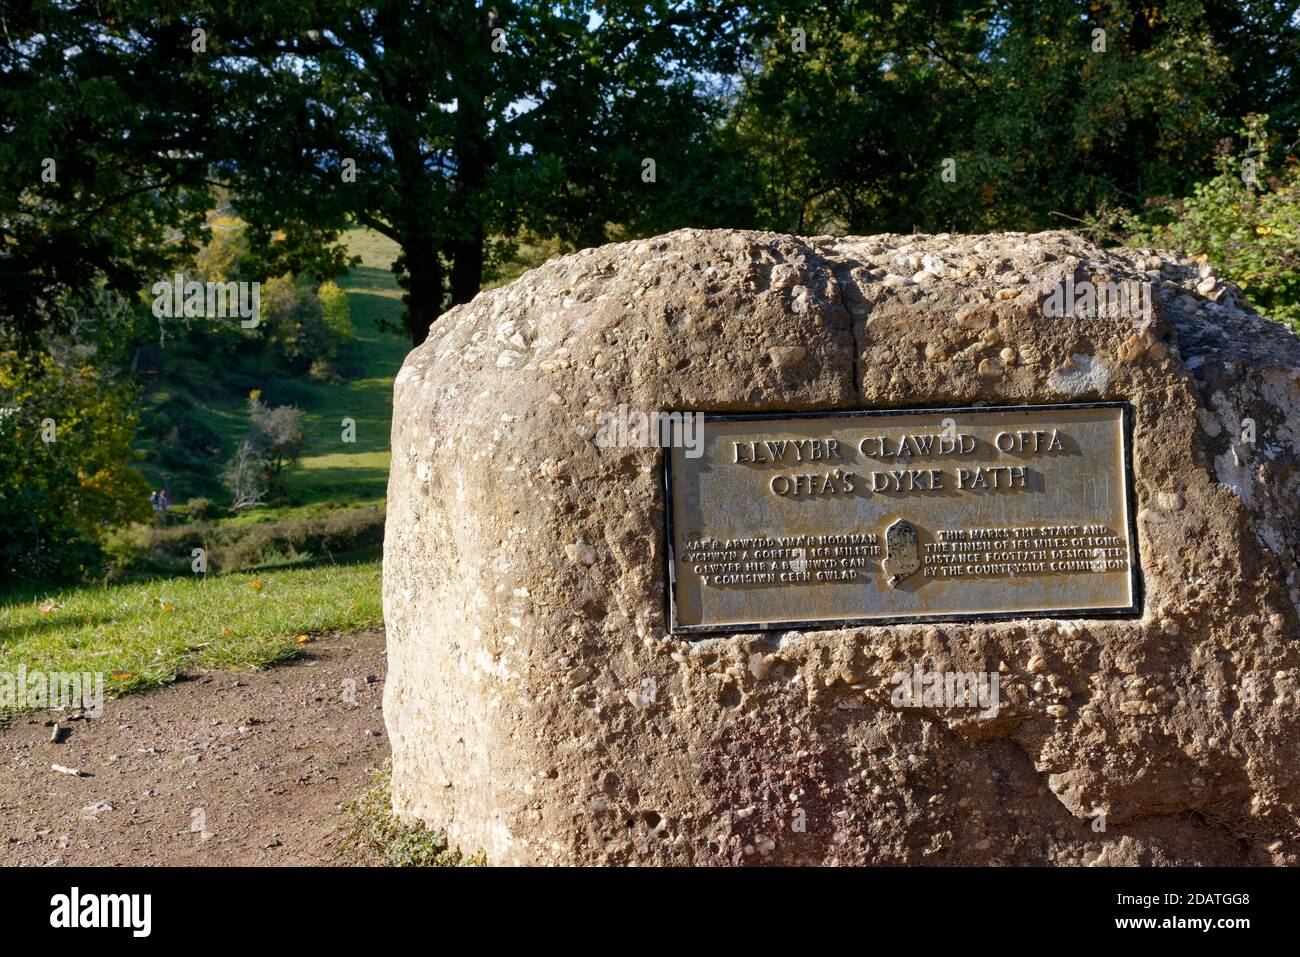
539, 710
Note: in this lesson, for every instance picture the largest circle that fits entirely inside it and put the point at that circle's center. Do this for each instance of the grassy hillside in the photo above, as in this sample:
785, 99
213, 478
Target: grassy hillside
213, 395
357, 473
147, 632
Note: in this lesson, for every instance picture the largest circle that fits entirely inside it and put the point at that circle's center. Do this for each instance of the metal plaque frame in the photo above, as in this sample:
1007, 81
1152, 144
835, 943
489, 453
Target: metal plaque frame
1133, 610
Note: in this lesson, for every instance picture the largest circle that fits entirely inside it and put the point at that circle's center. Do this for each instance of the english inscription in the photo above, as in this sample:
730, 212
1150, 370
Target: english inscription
814, 520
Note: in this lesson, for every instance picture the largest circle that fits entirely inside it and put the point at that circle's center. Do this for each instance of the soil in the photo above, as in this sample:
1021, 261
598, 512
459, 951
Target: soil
225, 767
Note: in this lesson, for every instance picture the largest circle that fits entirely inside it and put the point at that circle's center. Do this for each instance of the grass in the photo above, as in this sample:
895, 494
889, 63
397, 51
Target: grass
373, 831
145, 634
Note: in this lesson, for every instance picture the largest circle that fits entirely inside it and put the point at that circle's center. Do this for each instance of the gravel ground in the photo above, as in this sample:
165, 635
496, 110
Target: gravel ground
221, 768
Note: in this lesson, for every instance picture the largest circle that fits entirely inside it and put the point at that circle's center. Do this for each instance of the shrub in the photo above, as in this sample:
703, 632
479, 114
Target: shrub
336, 314
147, 550
125, 548
348, 367
306, 327
1244, 224
322, 370
200, 509
175, 425
57, 497
298, 538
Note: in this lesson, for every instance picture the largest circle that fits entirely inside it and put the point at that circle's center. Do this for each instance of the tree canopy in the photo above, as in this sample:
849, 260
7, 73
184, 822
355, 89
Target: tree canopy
452, 126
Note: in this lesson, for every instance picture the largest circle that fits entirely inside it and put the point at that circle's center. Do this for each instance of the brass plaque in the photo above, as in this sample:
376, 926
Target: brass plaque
816, 520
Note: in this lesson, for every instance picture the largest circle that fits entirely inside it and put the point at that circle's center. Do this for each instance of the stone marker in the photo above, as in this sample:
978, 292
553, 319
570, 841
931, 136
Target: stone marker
967, 549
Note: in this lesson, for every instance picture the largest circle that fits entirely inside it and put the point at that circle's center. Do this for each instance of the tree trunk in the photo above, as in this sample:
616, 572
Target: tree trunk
467, 266
473, 148
424, 285
415, 213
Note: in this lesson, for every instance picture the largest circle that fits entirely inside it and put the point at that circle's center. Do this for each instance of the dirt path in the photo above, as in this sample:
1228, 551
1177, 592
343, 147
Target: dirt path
226, 768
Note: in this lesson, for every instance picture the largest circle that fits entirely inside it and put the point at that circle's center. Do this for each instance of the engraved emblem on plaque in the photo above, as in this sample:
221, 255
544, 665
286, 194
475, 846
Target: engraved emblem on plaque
901, 555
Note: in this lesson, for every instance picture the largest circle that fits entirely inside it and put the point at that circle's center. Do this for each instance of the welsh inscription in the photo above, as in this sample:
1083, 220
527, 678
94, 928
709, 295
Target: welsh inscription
812, 520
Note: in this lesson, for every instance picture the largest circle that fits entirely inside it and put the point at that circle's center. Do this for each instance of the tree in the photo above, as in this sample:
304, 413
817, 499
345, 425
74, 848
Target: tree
245, 477
451, 126
1041, 110
66, 426
102, 154
272, 446
336, 313
295, 321
443, 125
278, 433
